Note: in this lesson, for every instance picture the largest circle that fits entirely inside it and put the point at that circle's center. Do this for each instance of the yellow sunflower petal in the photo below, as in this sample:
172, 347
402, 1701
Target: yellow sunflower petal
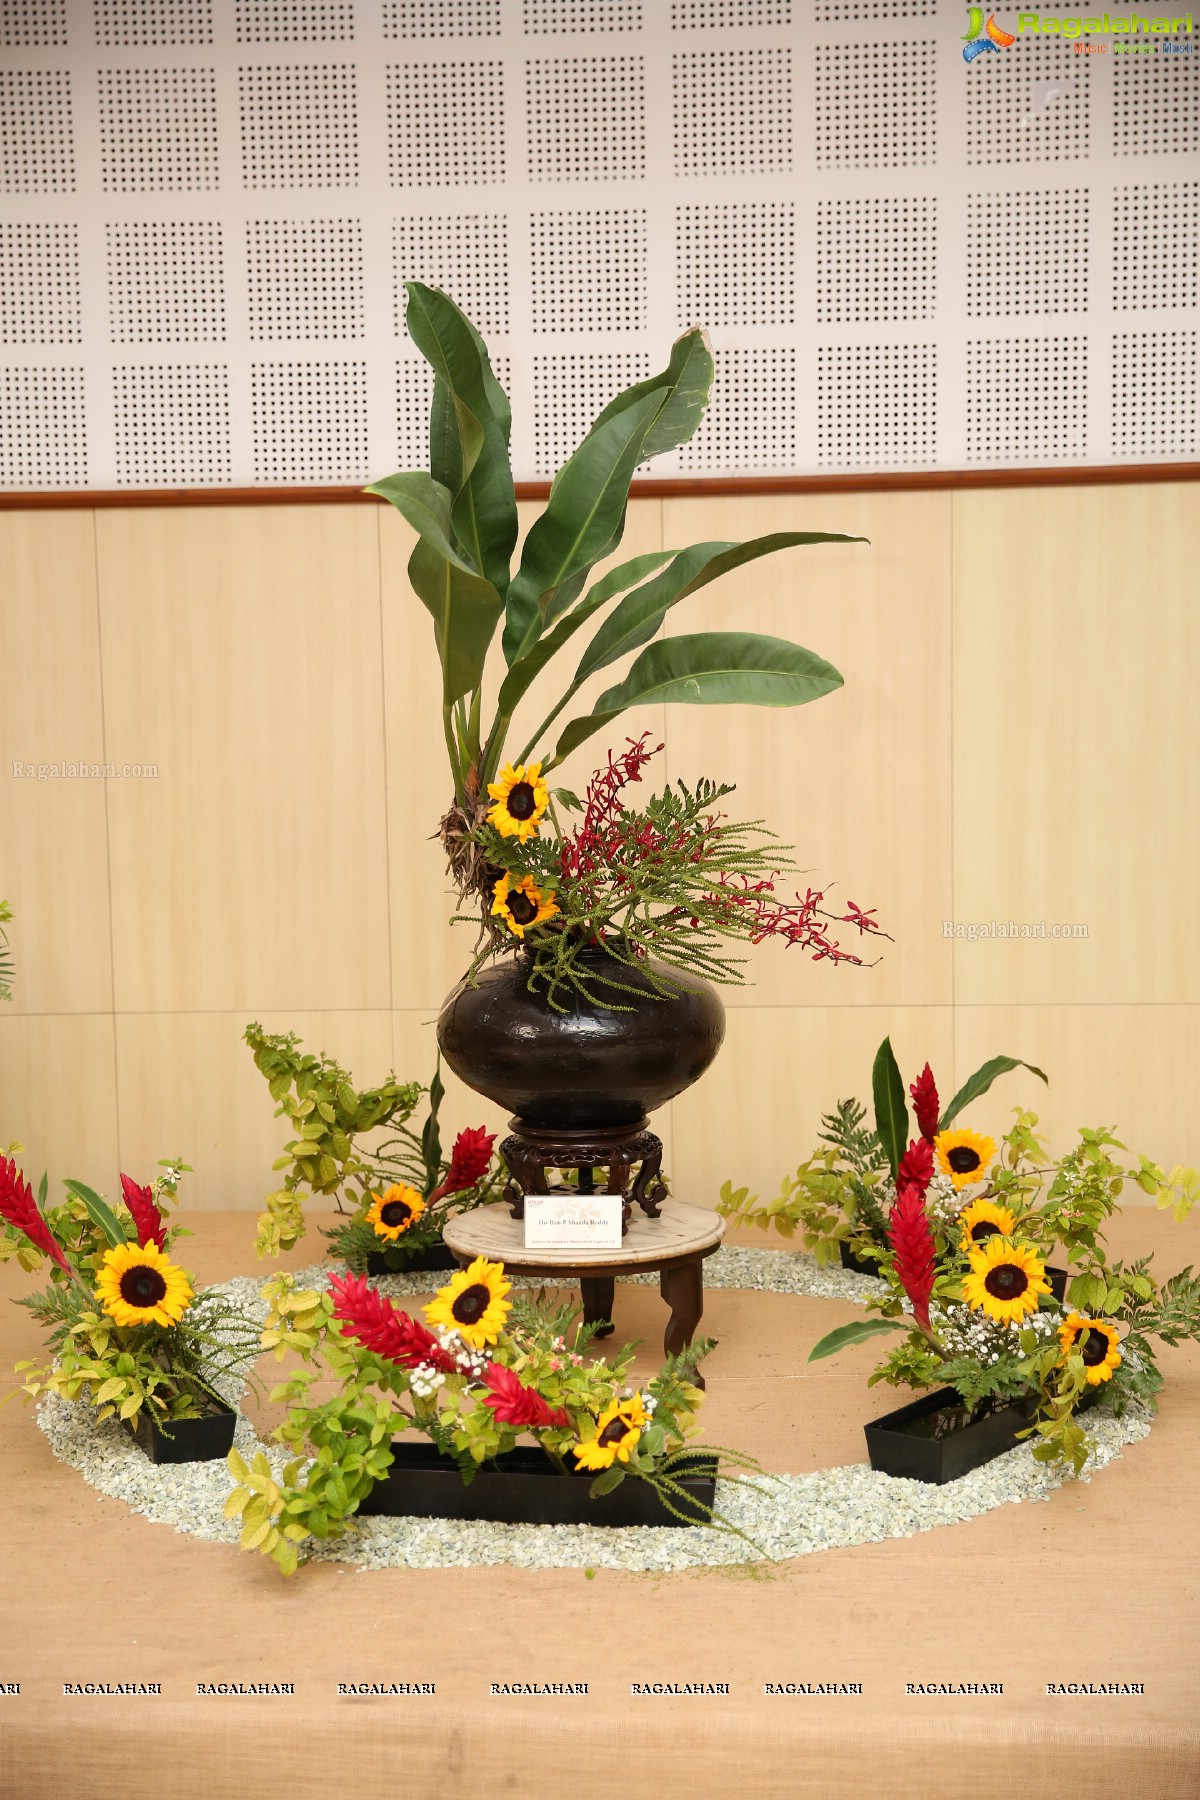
395, 1211
984, 1219
473, 1303
521, 798
964, 1156
1005, 1280
138, 1284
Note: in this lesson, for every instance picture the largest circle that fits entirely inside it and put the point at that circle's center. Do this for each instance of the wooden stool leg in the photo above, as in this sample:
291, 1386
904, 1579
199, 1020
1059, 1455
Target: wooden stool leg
682, 1287
596, 1292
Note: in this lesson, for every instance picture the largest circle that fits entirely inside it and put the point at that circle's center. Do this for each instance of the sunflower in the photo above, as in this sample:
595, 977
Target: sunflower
395, 1211
522, 905
617, 1432
984, 1219
1005, 1280
138, 1285
473, 1304
1097, 1342
963, 1155
521, 798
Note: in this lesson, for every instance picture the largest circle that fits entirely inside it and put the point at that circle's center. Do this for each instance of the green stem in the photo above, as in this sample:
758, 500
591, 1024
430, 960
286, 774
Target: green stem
547, 722
456, 767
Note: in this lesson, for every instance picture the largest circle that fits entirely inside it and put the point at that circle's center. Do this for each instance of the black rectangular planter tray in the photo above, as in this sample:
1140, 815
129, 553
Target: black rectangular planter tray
436, 1256
857, 1263
896, 1445
1058, 1279
522, 1487
191, 1440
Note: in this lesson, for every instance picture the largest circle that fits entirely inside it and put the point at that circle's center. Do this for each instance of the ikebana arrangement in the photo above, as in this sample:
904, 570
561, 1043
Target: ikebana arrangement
400, 1192
484, 1368
840, 1197
125, 1324
995, 1354
588, 1004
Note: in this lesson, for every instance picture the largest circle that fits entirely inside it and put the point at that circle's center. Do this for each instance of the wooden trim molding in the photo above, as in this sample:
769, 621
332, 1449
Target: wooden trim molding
911, 481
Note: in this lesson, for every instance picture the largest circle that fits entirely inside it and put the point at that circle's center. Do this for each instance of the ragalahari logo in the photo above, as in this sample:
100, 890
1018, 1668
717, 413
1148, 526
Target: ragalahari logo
980, 37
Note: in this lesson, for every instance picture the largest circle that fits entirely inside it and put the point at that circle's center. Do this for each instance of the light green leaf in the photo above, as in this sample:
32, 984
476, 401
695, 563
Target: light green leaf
712, 668
637, 619
101, 1215
891, 1113
981, 1081
856, 1333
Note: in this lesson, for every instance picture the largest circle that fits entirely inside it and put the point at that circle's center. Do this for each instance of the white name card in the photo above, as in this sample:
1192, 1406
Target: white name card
569, 1221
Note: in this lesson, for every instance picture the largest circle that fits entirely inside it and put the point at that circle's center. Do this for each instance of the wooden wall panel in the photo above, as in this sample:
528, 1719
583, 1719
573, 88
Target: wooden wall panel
1076, 780
53, 848
857, 782
59, 1095
1013, 740
242, 656
1129, 1068
189, 1088
757, 1112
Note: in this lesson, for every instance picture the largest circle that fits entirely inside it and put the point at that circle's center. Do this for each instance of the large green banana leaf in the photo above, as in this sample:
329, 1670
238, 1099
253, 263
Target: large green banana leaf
470, 426
465, 606
711, 668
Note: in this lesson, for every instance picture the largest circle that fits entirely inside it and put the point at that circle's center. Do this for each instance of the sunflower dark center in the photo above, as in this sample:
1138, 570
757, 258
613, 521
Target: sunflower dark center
963, 1159
470, 1306
1094, 1348
614, 1431
521, 907
521, 801
984, 1229
142, 1286
396, 1212
1006, 1281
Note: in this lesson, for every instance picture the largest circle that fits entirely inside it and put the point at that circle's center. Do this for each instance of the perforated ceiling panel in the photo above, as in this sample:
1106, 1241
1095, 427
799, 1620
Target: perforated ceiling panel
906, 258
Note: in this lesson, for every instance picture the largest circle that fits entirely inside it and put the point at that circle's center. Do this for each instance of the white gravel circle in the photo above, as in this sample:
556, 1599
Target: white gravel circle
786, 1515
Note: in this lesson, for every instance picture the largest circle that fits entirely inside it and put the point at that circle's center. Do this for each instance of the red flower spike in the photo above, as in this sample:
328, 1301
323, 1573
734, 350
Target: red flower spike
147, 1219
515, 1404
916, 1167
925, 1104
19, 1209
912, 1247
381, 1327
469, 1161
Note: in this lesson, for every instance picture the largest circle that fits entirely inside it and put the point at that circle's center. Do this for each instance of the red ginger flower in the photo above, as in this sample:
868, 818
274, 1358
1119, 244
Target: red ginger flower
515, 1404
147, 1219
916, 1167
19, 1209
381, 1327
912, 1247
925, 1104
469, 1160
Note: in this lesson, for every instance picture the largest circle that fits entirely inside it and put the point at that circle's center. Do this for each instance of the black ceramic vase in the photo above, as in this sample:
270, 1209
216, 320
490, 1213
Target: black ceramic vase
591, 1066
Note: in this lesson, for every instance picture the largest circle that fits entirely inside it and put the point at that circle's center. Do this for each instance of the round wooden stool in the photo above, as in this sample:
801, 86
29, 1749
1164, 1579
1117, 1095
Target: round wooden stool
675, 1244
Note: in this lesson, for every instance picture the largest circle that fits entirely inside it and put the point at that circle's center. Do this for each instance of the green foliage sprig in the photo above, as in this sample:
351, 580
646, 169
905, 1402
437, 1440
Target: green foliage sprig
6, 962
328, 1113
